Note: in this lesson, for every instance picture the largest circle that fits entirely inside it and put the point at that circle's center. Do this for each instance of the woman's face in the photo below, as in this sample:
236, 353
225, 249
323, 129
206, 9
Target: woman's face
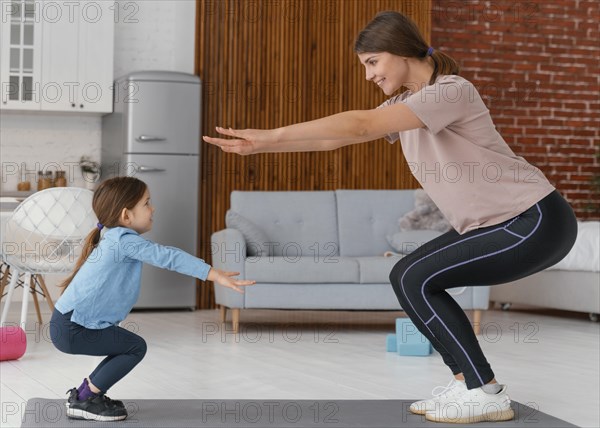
386, 70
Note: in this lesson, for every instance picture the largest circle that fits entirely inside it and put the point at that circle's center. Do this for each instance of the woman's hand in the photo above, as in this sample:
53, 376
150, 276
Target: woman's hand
246, 141
225, 279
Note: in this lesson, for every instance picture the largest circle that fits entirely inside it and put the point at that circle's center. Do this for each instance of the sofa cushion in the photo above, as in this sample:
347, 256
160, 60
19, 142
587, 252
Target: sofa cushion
376, 270
408, 241
302, 270
323, 296
585, 254
256, 239
366, 217
303, 222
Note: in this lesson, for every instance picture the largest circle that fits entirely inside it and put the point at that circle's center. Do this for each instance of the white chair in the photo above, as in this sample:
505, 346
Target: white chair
44, 235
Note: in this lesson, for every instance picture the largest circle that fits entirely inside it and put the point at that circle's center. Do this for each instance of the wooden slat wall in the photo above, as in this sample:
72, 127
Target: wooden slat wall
266, 64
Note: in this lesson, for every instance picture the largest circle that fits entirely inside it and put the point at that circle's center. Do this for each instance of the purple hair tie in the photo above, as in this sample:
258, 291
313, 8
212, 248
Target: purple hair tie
429, 51
100, 226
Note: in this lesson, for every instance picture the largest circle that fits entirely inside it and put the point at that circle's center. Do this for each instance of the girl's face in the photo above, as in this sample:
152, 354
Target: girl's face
386, 70
140, 217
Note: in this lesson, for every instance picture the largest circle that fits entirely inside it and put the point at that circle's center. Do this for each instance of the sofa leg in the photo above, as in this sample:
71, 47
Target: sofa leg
235, 319
223, 313
477, 321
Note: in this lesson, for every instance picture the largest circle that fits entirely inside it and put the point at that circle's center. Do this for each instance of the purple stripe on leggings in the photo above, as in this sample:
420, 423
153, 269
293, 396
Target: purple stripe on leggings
460, 264
513, 233
429, 255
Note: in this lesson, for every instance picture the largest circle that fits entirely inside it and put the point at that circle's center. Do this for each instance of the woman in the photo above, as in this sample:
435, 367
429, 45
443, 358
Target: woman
508, 220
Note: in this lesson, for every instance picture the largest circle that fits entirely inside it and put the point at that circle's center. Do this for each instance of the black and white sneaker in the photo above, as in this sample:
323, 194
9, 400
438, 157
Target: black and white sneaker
99, 408
72, 396
117, 403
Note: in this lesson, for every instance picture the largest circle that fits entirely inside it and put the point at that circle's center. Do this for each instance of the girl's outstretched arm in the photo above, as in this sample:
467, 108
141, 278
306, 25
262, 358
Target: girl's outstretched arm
226, 279
327, 133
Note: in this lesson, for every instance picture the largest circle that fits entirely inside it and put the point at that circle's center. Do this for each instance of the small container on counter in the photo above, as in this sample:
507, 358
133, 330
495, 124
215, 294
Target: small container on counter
24, 186
60, 180
45, 180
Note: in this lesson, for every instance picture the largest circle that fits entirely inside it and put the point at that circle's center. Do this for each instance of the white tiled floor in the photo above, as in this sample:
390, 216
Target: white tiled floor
548, 362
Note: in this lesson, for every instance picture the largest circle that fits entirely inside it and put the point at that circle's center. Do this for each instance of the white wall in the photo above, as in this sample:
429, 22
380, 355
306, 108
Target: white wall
149, 35
155, 35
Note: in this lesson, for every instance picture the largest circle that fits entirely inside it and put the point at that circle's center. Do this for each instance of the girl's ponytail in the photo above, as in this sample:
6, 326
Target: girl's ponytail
110, 198
91, 242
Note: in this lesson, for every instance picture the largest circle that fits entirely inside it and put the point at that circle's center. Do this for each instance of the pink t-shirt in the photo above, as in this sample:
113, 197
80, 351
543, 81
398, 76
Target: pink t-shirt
461, 160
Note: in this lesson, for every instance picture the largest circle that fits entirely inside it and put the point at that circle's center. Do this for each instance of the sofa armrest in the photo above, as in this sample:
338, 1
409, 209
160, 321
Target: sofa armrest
481, 297
228, 249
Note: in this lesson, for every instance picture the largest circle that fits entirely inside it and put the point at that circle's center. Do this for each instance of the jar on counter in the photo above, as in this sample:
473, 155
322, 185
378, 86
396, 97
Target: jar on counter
24, 186
45, 180
60, 180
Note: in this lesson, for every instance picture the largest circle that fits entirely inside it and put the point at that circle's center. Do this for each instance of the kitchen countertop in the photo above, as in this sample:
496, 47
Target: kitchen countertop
4, 216
10, 200
16, 194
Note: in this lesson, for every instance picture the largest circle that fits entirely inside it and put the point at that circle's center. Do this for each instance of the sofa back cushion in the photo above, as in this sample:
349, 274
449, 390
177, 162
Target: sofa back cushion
366, 217
297, 223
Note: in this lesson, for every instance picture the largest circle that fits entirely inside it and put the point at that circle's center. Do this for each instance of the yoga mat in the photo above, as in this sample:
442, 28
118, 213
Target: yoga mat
41, 412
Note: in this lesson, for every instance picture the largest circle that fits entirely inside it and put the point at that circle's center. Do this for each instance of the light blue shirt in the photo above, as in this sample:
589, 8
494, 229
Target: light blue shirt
107, 286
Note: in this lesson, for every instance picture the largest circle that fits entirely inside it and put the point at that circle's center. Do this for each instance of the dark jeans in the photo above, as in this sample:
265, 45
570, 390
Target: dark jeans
528, 243
124, 349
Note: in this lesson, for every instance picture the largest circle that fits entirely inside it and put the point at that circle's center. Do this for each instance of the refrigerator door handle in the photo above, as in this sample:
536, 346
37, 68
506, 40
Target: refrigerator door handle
149, 138
143, 168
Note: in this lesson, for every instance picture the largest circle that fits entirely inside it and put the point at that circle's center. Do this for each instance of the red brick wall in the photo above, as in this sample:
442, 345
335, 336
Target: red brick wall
536, 65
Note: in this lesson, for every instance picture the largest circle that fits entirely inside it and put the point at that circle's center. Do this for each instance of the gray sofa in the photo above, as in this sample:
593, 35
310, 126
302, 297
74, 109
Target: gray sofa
326, 252
573, 284
577, 291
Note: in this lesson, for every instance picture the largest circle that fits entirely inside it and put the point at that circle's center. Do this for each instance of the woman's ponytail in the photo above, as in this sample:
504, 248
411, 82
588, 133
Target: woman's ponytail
442, 65
91, 242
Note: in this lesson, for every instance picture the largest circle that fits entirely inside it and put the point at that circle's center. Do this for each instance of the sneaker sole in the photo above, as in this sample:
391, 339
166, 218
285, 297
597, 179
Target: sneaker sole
417, 411
503, 415
421, 410
82, 414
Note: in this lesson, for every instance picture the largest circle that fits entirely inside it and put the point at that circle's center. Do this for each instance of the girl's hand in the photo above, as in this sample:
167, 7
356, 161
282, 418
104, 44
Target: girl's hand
246, 141
225, 279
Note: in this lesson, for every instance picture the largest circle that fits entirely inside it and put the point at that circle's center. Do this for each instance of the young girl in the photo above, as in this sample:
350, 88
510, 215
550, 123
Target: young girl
104, 287
508, 220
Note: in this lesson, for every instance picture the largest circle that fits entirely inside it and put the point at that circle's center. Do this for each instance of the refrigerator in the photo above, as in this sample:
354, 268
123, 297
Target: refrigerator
154, 135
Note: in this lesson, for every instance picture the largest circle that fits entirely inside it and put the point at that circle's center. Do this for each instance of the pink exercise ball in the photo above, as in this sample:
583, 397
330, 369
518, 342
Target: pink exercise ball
13, 343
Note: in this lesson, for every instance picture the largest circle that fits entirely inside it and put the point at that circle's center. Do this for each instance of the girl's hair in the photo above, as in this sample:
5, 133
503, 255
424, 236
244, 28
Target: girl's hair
397, 34
108, 202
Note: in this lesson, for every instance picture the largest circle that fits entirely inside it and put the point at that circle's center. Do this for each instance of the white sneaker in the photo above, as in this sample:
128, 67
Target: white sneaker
440, 393
473, 405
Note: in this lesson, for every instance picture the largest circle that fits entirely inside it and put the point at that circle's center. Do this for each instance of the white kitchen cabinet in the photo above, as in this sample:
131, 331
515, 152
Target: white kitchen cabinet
20, 55
96, 54
75, 56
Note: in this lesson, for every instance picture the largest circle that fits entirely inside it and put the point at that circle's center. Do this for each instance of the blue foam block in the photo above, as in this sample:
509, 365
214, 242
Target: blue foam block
390, 343
409, 340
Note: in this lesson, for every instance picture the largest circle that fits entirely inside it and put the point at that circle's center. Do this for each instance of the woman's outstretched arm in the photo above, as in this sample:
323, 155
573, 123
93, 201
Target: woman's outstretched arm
327, 133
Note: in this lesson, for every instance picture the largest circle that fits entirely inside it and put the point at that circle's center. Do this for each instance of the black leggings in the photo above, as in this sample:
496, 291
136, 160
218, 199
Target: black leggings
124, 349
528, 243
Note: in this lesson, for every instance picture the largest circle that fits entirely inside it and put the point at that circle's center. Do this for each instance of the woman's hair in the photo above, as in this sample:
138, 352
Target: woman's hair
108, 202
397, 34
